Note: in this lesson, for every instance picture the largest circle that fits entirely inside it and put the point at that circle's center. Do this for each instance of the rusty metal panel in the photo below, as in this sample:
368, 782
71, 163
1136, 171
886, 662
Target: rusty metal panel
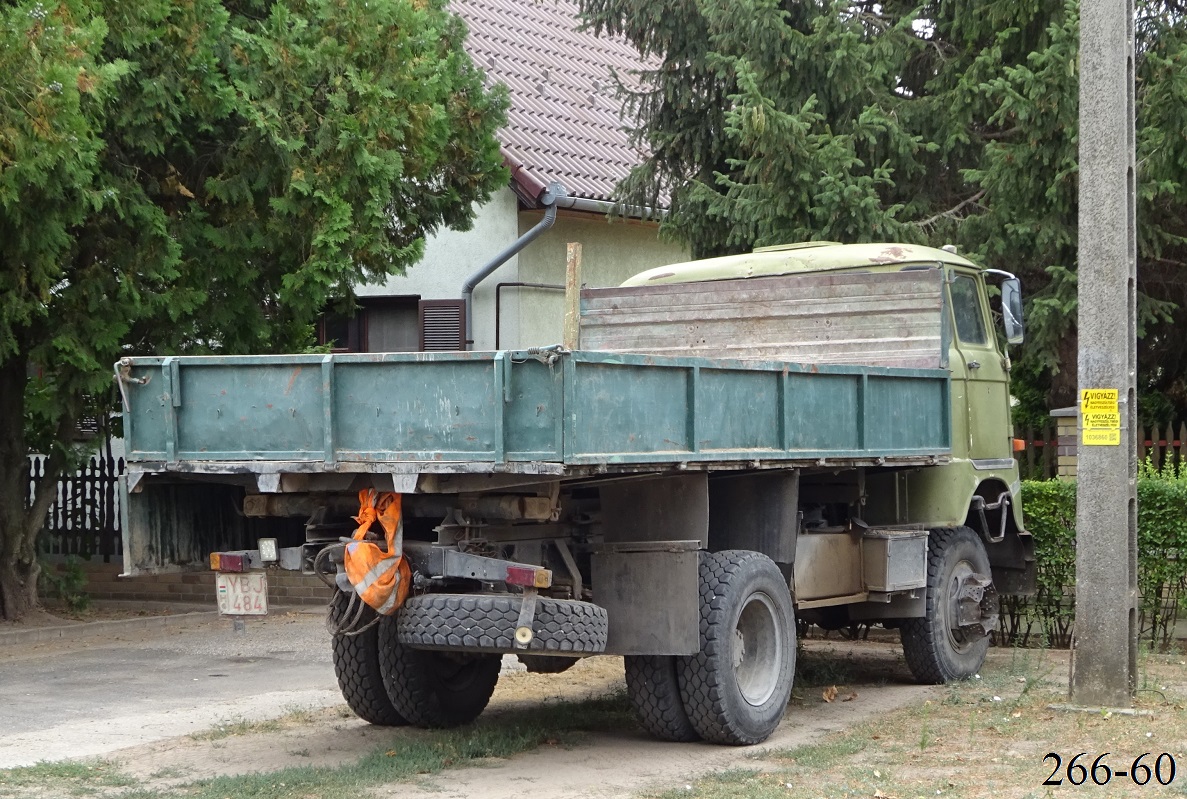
880, 318
651, 599
673, 507
828, 565
758, 511
521, 411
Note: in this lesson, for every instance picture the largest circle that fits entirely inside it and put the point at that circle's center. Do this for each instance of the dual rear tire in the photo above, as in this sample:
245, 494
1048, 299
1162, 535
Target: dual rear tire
736, 688
356, 663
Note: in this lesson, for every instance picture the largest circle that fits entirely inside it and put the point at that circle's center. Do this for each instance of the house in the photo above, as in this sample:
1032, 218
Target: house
564, 129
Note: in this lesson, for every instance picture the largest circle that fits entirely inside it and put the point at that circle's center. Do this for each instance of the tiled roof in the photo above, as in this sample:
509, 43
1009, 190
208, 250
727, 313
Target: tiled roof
563, 124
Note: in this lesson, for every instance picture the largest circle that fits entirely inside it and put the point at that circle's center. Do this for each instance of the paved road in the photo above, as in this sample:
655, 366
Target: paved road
91, 697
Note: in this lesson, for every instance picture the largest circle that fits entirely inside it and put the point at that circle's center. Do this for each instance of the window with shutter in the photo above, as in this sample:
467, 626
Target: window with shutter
391, 324
442, 325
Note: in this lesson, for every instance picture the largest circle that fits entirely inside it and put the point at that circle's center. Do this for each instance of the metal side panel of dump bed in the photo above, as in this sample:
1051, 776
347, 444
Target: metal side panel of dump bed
521, 411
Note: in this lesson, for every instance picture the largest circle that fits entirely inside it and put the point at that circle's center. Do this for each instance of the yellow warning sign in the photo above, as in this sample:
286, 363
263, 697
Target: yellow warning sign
1098, 399
1111, 419
1101, 437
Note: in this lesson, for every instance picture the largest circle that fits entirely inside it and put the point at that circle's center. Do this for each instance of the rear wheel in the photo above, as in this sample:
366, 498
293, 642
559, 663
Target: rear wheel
654, 691
431, 688
951, 641
356, 663
736, 688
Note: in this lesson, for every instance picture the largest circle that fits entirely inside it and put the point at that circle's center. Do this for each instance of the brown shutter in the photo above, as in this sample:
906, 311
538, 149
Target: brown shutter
442, 325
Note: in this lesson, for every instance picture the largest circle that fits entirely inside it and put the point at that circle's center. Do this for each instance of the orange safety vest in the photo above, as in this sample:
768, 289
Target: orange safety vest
381, 579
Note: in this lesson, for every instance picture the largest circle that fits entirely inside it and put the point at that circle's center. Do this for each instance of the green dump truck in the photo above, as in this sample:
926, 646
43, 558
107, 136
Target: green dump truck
817, 432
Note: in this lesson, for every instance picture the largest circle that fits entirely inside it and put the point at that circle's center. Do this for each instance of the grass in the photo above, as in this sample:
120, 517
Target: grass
293, 715
985, 737
77, 778
407, 756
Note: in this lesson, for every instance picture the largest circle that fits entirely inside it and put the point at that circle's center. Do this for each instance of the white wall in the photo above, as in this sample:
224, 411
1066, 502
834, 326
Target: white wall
452, 256
612, 250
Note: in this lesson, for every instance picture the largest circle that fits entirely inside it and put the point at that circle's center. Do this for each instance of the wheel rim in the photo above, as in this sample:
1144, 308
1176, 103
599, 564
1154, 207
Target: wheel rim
757, 650
958, 640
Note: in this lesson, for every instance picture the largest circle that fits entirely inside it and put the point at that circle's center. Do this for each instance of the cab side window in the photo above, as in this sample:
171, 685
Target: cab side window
966, 308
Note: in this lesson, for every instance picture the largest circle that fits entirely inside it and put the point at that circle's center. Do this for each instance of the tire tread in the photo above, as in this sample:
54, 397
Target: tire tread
921, 644
487, 622
410, 679
654, 690
356, 666
701, 687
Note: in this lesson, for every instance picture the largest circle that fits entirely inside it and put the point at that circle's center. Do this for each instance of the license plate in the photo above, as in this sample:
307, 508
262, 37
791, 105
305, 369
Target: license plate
242, 594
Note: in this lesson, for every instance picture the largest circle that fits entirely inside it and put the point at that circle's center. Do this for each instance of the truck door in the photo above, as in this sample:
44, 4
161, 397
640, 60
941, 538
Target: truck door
982, 368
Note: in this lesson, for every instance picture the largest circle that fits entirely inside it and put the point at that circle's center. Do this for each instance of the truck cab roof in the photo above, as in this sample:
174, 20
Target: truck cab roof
808, 256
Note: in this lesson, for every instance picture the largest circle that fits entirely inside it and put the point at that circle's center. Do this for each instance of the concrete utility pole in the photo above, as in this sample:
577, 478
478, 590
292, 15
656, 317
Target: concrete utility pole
1104, 646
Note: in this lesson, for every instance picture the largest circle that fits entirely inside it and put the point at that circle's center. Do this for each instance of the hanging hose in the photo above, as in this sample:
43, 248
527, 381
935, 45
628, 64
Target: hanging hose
348, 624
318, 561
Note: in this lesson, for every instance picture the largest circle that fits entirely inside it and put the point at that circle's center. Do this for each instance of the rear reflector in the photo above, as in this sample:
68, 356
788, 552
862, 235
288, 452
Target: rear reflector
1019, 445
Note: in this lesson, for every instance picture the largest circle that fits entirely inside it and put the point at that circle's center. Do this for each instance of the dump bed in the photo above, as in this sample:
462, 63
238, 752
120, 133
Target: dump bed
541, 411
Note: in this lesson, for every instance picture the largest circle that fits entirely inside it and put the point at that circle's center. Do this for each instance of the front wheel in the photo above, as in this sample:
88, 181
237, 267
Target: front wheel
951, 640
431, 688
736, 688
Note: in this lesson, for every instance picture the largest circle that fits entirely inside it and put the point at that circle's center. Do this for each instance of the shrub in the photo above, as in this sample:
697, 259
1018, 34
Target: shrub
1050, 510
67, 582
1046, 618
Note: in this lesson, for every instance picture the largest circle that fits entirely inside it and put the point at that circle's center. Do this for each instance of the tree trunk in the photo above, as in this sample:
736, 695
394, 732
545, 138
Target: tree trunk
18, 589
1064, 392
20, 520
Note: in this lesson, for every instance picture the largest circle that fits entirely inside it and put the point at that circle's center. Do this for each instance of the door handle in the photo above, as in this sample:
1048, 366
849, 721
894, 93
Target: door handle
974, 364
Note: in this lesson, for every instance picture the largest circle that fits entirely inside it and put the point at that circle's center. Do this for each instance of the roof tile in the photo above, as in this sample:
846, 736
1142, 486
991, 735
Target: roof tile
564, 122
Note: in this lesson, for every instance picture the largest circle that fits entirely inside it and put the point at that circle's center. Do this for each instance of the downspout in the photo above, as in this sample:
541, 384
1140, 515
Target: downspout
554, 193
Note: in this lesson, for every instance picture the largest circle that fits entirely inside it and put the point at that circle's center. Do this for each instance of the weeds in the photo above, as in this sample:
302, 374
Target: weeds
82, 777
237, 726
67, 582
408, 755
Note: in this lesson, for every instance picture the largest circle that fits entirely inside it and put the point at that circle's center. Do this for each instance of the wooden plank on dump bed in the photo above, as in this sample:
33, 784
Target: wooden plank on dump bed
878, 318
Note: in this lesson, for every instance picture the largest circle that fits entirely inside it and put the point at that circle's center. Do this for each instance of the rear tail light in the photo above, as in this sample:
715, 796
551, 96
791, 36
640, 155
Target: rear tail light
528, 576
228, 562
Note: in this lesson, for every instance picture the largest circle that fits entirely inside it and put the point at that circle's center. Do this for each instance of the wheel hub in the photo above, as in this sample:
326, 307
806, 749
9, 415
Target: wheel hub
757, 650
972, 605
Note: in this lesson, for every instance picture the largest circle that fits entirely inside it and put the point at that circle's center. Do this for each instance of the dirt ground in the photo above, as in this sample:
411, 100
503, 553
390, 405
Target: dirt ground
611, 764
855, 699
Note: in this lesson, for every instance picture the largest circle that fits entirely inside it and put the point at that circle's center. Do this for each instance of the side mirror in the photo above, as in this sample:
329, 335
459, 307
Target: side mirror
1012, 310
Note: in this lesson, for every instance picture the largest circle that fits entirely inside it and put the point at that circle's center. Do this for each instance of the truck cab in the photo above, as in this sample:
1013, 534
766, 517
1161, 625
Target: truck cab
979, 486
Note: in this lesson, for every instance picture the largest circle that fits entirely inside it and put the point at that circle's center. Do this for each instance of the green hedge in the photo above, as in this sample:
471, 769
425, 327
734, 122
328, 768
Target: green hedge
1050, 510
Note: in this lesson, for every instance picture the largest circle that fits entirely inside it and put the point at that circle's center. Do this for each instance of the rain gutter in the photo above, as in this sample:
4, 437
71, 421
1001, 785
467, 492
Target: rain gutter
549, 198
